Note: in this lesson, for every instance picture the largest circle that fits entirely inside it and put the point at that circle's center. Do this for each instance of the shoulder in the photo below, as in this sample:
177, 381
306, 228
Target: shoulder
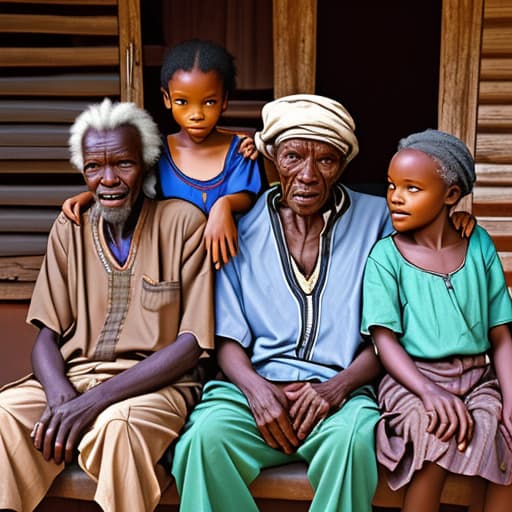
175, 211
481, 240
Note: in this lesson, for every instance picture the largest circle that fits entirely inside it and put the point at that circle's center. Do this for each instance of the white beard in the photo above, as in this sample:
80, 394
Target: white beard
115, 216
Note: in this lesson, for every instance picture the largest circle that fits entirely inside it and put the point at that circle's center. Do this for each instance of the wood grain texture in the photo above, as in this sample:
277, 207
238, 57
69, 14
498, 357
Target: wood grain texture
294, 46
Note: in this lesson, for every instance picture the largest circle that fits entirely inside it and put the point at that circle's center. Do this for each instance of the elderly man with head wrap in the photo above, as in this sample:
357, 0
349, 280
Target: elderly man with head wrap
124, 307
296, 370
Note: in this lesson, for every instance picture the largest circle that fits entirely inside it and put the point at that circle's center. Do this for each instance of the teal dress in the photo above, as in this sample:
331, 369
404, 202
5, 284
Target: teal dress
443, 322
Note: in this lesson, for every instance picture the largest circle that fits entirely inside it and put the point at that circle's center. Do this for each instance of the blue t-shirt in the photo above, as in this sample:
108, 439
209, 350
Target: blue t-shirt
239, 174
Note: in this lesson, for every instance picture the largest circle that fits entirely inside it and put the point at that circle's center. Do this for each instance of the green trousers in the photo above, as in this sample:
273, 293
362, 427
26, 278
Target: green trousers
221, 452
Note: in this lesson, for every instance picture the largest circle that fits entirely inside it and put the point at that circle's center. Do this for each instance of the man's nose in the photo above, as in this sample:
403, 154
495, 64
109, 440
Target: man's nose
308, 173
109, 176
197, 113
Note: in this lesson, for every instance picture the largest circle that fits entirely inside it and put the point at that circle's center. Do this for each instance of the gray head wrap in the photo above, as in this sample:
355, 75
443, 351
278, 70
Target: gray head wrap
458, 166
307, 116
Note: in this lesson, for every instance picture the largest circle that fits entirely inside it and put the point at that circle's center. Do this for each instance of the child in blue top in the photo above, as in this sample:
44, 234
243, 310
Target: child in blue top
199, 163
437, 308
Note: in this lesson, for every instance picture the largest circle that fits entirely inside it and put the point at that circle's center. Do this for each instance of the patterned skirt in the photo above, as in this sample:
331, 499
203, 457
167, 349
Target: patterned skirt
403, 444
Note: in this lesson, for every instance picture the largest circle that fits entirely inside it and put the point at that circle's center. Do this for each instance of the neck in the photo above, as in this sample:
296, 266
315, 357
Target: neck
437, 235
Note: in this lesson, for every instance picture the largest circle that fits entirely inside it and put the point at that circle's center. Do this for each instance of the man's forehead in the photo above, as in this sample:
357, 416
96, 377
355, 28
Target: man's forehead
309, 144
126, 136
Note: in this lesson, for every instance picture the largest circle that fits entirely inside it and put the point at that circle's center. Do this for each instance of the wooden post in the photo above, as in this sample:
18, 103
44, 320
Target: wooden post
459, 69
130, 51
294, 46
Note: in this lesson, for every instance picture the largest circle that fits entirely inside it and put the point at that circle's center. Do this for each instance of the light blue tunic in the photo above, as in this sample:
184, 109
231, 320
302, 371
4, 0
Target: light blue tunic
435, 315
292, 336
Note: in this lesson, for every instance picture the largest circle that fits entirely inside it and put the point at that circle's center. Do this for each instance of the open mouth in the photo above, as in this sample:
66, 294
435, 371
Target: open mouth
112, 198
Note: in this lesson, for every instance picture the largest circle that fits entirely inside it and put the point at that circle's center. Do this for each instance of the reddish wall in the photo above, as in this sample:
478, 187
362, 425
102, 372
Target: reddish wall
16, 341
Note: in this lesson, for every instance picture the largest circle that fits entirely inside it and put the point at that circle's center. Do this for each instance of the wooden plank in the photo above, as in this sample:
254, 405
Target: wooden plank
14, 245
496, 69
500, 231
497, 40
492, 201
27, 220
130, 52
66, 2
37, 167
52, 24
16, 291
23, 135
33, 195
496, 92
60, 57
66, 84
494, 117
16, 111
34, 153
497, 10
494, 148
294, 33
240, 109
493, 175
20, 269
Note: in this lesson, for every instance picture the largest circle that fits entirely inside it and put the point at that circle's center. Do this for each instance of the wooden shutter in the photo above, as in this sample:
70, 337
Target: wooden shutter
492, 198
56, 57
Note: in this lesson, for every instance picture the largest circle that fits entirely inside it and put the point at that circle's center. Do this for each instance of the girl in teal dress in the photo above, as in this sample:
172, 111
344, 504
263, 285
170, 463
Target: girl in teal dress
438, 309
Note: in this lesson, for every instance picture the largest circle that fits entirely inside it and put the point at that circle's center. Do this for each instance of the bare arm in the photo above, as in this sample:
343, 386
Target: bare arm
62, 425
221, 234
501, 341
447, 413
268, 403
314, 401
74, 205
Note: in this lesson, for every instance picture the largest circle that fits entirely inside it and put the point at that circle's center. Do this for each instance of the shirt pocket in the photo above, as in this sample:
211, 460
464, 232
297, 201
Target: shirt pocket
157, 295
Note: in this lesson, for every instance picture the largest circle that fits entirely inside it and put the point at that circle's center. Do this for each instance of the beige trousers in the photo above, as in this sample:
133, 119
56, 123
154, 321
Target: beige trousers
120, 451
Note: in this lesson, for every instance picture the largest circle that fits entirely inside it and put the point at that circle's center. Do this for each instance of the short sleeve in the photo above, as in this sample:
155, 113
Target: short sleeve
230, 319
244, 174
381, 303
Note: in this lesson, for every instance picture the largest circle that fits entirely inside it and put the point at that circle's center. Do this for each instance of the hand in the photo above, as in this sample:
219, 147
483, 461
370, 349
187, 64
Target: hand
463, 222
269, 407
57, 432
310, 404
73, 205
247, 148
447, 415
220, 234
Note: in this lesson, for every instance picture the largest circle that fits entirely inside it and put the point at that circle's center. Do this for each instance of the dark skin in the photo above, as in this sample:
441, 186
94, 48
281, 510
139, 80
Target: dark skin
286, 413
420, 201
113, 171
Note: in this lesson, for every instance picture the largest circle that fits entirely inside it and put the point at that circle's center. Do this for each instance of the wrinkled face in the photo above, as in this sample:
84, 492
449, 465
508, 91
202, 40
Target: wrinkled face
197, 101
417, 194
113, 167
307, 170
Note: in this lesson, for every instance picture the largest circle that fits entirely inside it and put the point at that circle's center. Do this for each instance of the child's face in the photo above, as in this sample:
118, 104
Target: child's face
417, 195
196, 100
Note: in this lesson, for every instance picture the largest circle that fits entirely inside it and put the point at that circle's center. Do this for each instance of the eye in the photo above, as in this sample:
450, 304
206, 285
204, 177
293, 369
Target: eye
413, 188
292, 156
210, 102
180, 101
125, 163
90, 167
391, 186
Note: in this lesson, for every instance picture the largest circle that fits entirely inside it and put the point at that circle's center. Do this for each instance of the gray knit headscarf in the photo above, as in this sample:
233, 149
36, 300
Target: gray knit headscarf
457, 164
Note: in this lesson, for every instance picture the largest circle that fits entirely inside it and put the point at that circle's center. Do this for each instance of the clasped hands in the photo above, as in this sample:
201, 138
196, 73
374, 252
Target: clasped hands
285, 415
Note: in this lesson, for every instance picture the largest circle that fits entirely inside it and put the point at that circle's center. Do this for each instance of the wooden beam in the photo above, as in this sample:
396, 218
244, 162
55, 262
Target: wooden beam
294, 46
130, 52
461, 35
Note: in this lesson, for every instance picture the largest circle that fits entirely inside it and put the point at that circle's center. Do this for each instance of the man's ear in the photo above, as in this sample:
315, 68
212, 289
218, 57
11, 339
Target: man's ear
453, 194
166, 98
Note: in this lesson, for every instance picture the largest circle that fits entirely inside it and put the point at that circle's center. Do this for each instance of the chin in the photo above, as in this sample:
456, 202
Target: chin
117, 215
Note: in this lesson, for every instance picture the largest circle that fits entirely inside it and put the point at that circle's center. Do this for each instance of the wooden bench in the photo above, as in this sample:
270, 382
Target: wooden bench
278, 489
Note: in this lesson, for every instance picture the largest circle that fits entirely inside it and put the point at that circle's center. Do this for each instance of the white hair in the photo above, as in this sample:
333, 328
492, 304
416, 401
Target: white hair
109, 116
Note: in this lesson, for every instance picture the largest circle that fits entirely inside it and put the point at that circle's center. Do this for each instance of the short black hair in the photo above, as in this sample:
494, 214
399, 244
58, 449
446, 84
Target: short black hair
202, 54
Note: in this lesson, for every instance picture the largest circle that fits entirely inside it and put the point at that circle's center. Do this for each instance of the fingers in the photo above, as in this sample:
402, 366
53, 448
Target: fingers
76, 213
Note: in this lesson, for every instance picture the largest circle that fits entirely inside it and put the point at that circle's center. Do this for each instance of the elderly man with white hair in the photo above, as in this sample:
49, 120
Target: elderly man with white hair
124, 307
296, 370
